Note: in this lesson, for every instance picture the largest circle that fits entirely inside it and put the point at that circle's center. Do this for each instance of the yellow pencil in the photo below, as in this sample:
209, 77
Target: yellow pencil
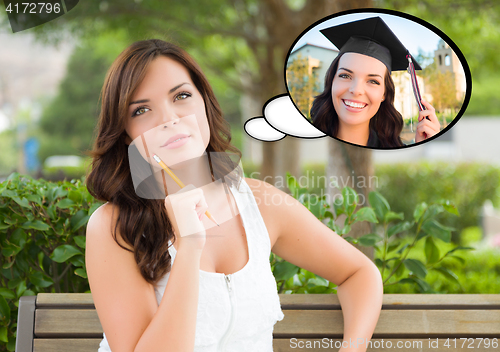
179, 182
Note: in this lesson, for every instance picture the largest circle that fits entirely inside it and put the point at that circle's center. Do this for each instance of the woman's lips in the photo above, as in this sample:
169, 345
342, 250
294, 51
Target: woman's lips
176, 141
354, 106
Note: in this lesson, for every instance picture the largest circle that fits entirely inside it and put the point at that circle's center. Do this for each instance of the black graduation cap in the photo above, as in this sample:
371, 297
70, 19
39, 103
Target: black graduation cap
371, 37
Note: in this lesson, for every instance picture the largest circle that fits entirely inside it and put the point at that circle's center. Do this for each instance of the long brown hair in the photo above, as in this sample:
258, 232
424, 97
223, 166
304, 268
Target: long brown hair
387, 123
143, 223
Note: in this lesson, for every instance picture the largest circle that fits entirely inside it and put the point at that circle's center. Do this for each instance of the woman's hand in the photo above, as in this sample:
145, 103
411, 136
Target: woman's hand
185, 209
427, 127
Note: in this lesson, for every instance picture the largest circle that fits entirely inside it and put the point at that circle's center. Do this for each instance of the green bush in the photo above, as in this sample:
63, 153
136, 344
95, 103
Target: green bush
399, 259
468, 184
480, 275
42, 237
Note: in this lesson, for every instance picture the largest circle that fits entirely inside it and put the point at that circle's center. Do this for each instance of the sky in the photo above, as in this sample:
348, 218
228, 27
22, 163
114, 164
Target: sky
412, 34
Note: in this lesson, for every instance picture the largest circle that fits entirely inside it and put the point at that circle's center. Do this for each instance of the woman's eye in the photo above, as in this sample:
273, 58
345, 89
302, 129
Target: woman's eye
374, 82
140, 108
343, 75
182, 96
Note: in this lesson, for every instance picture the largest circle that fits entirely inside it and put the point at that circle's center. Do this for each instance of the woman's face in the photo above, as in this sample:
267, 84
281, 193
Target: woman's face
167, 114
358, 89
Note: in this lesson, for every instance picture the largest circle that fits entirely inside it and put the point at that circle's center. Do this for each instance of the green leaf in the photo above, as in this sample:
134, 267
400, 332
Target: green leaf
284, 270
22, 202
3, 334
432, 211
365, 214
81, 272
80, 241
79, 219
431, 251
21, 288
78, 260
459, 248
315, 206
449, 207
10, 249
391, 216
398, 228
435, 229
350, 200
7, 293
328, 215
94, 207
416, 267
12, 284
51, 212
64, 252
345, 230
11, 345
379, 205
369, 240
65, 203
40, 256
35, 199
317, 281
460, 259
400, 268
39, 280
36, 225
4, 226
351, 239
292, 184
7, 264
75, 196
392, 246
18, 238
423, 285
419, 211
448, 274
57, 192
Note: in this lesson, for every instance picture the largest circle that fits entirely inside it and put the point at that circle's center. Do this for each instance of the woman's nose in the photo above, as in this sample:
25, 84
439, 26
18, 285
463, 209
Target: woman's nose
356, 87
171, 121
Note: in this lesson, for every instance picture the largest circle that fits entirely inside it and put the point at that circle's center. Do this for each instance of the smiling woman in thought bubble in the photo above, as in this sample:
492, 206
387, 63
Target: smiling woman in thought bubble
357, 104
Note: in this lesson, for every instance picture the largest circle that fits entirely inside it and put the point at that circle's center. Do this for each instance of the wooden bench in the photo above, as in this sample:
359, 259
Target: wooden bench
413, 322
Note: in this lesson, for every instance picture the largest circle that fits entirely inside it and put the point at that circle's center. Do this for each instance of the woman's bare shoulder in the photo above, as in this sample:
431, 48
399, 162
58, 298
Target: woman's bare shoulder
270, 201
102, 223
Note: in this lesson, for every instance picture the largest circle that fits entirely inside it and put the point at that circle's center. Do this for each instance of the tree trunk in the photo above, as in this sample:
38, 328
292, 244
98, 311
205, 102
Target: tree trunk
352, 166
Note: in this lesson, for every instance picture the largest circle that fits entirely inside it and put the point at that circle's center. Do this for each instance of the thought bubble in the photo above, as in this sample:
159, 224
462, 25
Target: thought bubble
281, 118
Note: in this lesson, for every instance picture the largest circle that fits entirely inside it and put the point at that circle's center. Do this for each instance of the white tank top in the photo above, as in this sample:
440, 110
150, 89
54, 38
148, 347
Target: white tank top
236, 312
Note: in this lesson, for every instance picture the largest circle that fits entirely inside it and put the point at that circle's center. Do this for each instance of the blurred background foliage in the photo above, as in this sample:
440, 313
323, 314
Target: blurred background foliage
226, 37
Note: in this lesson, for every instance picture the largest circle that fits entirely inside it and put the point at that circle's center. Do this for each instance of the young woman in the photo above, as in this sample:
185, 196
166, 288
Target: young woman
357, 104
163, 276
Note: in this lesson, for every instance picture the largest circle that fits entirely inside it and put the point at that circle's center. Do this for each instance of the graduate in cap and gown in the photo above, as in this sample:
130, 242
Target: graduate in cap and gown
357, 104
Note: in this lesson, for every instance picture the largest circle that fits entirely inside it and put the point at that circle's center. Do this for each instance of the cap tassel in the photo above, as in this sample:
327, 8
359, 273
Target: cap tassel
414, 83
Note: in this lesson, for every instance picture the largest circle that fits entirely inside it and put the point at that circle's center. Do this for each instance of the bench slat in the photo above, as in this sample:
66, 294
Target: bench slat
59, 345
67, 323
392, 323
307, 323
285, 345
406, 345
318, 301
397, 301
